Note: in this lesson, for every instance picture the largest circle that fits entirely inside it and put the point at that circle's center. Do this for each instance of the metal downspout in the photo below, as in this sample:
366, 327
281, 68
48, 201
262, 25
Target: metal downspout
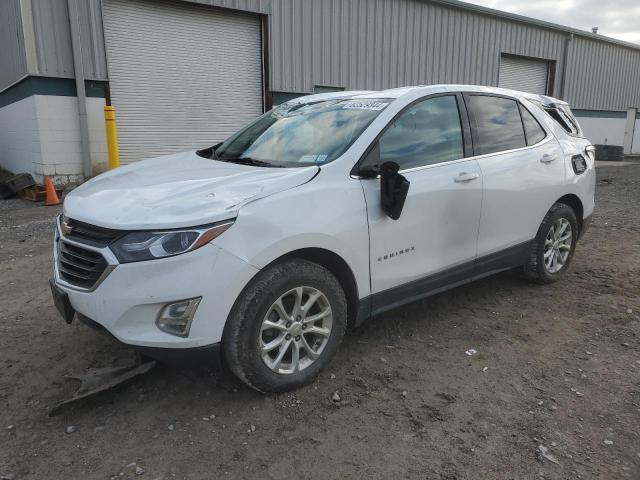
78, 66
565, 63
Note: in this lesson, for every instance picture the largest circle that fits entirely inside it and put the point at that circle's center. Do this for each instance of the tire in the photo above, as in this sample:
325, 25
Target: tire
246, 334
540, 268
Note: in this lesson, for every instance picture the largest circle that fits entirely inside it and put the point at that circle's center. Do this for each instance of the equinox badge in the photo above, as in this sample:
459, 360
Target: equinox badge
395, 254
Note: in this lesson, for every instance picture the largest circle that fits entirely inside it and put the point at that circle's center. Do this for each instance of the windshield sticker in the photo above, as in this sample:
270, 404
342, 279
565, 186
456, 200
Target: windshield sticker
313, 158
364, 105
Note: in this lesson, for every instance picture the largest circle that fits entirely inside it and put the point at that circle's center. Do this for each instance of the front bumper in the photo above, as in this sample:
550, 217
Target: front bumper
209, 356
126, 302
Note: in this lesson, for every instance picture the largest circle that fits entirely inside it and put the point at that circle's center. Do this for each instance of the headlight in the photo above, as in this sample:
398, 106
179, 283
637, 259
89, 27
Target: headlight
147, 245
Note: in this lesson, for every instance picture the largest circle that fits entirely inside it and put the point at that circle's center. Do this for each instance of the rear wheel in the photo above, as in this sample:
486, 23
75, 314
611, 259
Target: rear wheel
286, 326
554, 245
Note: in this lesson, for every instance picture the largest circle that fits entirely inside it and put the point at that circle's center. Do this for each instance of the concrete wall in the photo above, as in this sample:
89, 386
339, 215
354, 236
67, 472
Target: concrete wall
40, 135
97, 135
20, 136
608, 128
603, 131
59, 127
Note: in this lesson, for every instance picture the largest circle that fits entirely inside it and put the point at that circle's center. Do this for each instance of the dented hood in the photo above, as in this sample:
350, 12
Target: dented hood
174, 191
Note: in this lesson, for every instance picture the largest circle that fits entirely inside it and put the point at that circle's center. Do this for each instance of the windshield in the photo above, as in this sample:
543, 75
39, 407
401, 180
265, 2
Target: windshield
299, 135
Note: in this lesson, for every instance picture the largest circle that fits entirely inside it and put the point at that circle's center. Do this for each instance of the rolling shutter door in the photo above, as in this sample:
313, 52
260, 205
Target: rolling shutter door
181, 76
524, 74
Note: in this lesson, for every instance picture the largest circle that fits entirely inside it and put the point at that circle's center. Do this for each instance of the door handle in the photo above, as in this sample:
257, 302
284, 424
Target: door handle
466, 177
546, 158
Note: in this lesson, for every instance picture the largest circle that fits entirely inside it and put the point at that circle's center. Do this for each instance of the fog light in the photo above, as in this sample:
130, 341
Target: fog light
175, 318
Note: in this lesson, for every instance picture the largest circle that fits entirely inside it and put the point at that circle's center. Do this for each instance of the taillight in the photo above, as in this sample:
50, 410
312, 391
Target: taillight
590, 150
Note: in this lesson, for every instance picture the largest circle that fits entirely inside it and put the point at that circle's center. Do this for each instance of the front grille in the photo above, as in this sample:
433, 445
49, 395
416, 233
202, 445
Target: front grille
91, 234
79, 266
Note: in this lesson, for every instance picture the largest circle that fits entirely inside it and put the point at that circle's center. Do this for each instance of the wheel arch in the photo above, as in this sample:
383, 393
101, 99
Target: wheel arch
573, 201
338, 267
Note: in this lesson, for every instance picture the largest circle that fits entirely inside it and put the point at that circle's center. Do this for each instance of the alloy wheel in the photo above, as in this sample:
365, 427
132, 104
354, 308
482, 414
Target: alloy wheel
295, 330
557, 245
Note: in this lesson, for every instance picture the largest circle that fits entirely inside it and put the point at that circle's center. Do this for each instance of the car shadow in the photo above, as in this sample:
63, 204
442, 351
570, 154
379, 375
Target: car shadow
206, 383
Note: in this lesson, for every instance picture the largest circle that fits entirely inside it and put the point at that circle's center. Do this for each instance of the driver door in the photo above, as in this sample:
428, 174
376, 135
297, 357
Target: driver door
434, 242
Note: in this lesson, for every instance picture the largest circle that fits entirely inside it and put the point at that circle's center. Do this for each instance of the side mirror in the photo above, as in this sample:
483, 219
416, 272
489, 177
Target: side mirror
393, 189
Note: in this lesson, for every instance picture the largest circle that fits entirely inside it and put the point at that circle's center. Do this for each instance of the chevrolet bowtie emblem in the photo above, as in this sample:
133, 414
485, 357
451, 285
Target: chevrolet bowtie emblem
66, 228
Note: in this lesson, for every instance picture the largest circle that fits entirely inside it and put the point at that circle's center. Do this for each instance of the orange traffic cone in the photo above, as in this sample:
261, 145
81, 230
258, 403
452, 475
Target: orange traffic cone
52, 196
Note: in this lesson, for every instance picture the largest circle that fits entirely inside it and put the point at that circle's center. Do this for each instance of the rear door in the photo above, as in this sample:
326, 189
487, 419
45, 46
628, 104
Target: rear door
523, 175
433, 243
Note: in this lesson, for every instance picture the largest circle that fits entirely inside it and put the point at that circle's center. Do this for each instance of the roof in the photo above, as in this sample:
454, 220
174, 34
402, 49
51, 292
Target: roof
420, 90
532, 21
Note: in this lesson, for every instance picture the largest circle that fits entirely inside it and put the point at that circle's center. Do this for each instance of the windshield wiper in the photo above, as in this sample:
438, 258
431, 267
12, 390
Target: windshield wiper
250, 161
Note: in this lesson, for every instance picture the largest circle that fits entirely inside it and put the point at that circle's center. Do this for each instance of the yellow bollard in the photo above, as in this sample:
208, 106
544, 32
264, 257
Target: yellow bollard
112, 136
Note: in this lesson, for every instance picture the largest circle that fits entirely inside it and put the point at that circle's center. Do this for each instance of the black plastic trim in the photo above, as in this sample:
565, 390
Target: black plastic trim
586, 223
499, 261
208, 356
423, 287
524, 128
466, 125
364, 311
453, 277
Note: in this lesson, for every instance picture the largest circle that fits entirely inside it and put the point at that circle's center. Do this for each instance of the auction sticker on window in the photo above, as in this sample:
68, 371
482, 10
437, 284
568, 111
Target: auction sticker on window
364, 105
313, 158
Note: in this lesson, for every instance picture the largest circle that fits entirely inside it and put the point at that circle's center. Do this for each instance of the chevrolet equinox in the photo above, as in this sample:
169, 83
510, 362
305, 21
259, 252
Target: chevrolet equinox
263, 249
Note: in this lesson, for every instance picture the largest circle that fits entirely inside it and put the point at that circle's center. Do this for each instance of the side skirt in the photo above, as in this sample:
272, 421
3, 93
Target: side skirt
447, 279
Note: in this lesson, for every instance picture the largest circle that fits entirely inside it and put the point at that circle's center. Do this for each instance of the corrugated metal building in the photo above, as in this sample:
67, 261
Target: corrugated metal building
185, 74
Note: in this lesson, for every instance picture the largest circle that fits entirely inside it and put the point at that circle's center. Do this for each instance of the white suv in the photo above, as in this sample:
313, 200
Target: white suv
323, 212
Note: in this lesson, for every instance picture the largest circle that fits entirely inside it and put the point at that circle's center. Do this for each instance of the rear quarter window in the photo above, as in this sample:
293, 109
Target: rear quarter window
532, 129
563, 116
498, 126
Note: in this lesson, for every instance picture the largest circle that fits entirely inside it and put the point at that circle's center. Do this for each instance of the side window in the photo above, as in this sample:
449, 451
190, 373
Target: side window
427, 133
532, 129
498, 124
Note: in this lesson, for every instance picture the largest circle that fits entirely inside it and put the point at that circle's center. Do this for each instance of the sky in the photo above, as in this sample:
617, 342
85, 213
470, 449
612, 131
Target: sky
615, 18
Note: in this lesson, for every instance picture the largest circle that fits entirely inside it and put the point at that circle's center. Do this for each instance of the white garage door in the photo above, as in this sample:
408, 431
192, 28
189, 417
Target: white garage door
524, 74
181, 76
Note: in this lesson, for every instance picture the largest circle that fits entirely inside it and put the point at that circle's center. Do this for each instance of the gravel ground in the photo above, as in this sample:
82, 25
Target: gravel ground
553, 392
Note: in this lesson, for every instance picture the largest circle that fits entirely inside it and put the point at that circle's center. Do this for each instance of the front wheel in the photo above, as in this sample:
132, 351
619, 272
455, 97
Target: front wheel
554, 245
286, 326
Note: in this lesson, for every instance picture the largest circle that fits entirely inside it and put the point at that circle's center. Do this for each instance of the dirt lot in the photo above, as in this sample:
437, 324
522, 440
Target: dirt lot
557, 366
